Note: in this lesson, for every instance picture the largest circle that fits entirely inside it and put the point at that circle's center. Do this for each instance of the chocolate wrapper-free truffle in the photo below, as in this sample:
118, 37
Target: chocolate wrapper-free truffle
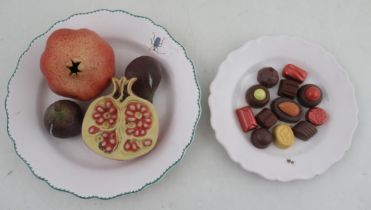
261, 138
268, 77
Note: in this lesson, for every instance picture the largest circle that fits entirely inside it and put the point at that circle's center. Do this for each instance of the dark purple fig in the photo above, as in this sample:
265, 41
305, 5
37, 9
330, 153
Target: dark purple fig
147, 70
63, 119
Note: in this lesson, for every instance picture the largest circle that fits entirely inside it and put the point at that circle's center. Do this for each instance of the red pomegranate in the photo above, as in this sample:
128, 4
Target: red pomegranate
77, 63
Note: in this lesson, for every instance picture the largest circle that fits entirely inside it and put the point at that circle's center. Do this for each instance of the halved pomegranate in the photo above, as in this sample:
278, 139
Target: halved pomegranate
121, 125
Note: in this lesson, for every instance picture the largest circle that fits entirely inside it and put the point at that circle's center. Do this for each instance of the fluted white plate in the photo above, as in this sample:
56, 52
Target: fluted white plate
67, 164
303, 160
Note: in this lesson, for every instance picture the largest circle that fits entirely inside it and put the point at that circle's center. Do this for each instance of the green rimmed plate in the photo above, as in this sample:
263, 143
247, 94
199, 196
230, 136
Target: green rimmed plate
68, 165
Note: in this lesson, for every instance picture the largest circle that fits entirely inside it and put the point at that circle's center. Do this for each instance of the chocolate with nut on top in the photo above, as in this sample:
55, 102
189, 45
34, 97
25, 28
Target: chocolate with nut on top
286, 109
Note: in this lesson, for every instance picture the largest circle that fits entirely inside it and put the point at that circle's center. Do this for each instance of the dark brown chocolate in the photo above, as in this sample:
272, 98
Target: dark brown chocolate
304, 130
268, 77
257, 96
261, 138
286, 110
310, 95
265, 118
288, 88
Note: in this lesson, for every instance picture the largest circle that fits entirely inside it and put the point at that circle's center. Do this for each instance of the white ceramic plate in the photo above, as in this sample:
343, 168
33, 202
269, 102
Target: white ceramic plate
303, 160
67, 164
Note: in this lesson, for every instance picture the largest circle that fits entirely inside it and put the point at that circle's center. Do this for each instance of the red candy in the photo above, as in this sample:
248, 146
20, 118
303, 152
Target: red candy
316, 116
246, 118
312, 93
293, 72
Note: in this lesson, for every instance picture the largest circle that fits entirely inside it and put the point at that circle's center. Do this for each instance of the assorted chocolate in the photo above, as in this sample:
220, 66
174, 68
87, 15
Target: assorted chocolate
317, 116
304, 130
265, 118
261, 138
288, 88
295, 73
246, 118
268, 77
284, 108
283, 136
257, 96
310, 95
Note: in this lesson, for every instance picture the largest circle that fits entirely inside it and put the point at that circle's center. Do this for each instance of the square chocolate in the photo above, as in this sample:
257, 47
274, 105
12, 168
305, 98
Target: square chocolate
266, 118
288, 88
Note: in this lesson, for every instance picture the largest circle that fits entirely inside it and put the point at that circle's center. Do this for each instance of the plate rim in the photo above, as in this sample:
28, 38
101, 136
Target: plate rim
212, 106
156, 180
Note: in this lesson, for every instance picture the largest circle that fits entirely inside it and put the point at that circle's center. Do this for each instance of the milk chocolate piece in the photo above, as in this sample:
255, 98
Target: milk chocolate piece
286, 109
309, 95
268, 77
304, 130
246, 118
266, 118
257, 96
288, 88
294, 72
261, 138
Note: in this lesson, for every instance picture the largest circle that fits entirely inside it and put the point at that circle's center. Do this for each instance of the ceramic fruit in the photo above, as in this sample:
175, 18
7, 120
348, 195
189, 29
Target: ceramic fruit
77, 63
121, 125
63, 119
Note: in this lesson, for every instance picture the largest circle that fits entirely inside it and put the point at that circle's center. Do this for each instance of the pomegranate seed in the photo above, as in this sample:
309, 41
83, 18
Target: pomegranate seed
108, 104
127, 145
100, 109
93, 129
147, 142
130, 113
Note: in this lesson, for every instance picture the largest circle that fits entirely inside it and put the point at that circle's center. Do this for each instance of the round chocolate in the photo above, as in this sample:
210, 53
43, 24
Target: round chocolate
257, 96
261, 138
316, 116
286, 110
309, 95
268, 77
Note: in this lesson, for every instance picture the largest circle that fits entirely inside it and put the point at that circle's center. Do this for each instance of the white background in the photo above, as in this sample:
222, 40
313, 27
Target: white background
206, 178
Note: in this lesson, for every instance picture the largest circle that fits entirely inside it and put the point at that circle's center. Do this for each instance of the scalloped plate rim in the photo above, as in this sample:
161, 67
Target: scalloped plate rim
212, 107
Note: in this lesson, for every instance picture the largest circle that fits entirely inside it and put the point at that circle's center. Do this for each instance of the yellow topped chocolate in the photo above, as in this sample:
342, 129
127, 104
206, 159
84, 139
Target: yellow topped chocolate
260, 94
121, 126
283, 136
